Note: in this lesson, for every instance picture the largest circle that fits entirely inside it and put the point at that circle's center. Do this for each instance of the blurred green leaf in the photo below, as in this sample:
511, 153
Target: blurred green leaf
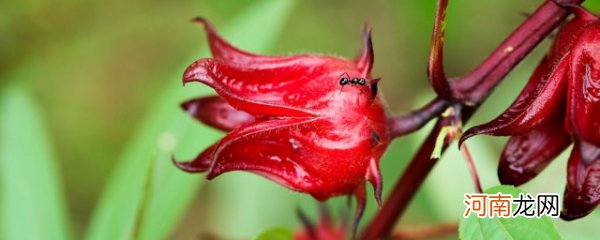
593, 6
140, 217
474, 227
275, 234
165, 131
32, 204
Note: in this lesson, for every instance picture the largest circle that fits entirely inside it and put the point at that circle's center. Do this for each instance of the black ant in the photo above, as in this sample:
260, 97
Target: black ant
345, 79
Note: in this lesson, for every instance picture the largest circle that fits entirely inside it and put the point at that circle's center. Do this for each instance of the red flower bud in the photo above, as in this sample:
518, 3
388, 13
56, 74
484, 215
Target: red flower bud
584, 96
539, 101
526, 155
565, 87
582, 194
311, 123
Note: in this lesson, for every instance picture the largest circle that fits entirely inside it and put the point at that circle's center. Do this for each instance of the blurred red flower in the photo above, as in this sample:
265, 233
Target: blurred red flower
325, 229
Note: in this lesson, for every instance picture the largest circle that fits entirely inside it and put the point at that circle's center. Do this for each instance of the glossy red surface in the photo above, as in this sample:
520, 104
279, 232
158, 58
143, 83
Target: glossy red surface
582, 194
526, 155
538, 102
584, 96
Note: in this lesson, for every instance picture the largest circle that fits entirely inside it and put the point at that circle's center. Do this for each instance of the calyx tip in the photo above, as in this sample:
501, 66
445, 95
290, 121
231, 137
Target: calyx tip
365, 61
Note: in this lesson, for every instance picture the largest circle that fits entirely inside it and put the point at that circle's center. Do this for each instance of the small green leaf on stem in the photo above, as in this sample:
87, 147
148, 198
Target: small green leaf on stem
439, 142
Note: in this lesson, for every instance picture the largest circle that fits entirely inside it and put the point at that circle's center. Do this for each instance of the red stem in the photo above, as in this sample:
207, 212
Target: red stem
472, 169
415, 120
472, 90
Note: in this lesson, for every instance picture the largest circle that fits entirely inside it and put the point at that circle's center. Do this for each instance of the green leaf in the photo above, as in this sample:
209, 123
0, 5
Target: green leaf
140, 217
32, 204
474, 227
275, 234
166, 131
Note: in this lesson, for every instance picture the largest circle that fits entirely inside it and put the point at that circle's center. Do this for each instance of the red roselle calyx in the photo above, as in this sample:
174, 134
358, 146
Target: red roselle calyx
560, 104
314, 124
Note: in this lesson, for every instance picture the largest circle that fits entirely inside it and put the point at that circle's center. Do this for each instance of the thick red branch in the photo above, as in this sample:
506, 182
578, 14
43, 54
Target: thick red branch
472, 90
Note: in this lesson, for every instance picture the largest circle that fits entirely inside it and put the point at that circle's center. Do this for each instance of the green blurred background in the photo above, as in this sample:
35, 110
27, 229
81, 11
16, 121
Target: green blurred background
96, 73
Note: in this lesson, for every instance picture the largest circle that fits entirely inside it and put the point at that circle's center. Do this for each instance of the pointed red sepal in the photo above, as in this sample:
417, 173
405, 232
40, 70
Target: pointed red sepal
272, 149
374, 177
367, 57
241, 87
374, 87
361, 202
541, 99
435, 68
216, 112
583, 111
526, 155
200, 164
223, 50
583, 178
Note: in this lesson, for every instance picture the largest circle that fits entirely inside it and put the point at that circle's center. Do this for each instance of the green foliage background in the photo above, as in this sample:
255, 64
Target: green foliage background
89, 116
